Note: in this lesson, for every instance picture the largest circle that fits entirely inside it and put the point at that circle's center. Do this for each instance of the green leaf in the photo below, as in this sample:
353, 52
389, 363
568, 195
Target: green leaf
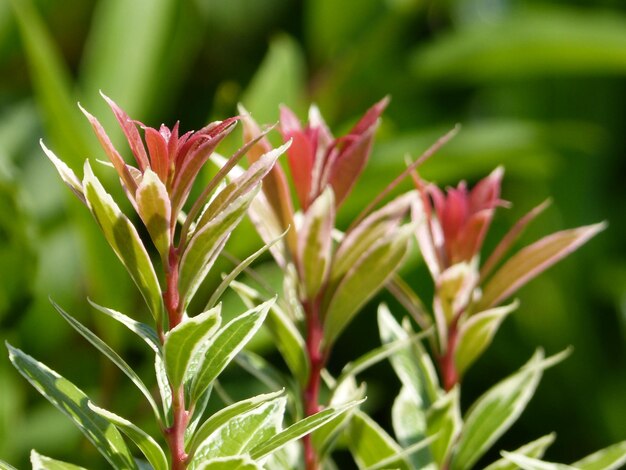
299, 429
412, 365
153, 452
6, 466
165, 391
224, 415
279, 79
444, 424
153, 206
206, 244
409, 425
532, 260
528, 463
364, 280
370, 444
243, 432
145, 332
288, 338
226, 282
124, 239
67, 174
182, 342
230, 463
111, 355
227, 342
534, 449
496, 410
609, 458
41, 462
476, 333
540, 43
71, 401
315, 243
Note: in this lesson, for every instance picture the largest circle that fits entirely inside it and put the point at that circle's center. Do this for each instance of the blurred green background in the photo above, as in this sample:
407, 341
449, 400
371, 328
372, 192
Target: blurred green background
539, 86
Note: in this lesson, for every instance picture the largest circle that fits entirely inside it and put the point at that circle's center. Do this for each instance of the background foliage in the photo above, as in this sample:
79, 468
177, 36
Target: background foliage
538, 86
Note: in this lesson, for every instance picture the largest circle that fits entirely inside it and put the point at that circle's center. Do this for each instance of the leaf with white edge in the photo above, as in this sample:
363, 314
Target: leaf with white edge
268, 226
230, 463
165, 391
532, 260
444, 423
185, 339
227, 342
41, 462
534, 449
404, 453
288, 338
264, 371
405, 362
243, 432
154, 208
476, 333
370, 444
111, 355
221, 417
72, 402
498, 408
67, 175
148, 446
227, 280
144, 331
6, 466
409, 425
206, 243
528, 463
122, 235
299, 429
362, 281
609, 458
315, 243
197, 416
375, 226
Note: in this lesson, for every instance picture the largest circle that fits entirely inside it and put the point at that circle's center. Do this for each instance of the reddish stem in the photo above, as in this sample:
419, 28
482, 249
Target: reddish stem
175, 435
171, 296
317, 359
447, 363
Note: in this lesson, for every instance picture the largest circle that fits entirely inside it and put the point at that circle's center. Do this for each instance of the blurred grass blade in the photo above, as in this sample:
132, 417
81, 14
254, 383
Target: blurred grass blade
184, 340
534, 449
609, 458
52, 83
41, 462
153, 452
111, 355
6, 466
71, 401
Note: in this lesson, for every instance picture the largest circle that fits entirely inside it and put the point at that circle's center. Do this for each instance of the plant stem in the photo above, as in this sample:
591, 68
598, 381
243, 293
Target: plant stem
447, 366
171, 296
317, 359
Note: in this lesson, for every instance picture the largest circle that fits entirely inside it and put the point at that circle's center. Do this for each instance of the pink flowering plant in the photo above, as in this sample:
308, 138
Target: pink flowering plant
328, 276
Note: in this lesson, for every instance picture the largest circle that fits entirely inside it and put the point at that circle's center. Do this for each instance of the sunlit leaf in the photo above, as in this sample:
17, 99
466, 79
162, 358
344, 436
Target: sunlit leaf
111, 355
529, 463
230, 463
185, 339
364, 280
496, 410
227, 342
74, 403
241, 433
609, 458
41, 462
409, 425
153, 452
122, 236
444, 424
153, 206
67, 175
476, 333
165, 391
534, 449
532, 260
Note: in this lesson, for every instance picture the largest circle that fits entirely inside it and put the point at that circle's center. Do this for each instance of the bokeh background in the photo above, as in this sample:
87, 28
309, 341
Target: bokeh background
538, 86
